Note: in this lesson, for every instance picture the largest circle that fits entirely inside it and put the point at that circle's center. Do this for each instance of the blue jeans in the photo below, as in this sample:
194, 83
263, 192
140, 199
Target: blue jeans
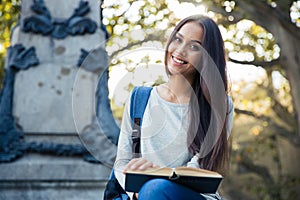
164, 189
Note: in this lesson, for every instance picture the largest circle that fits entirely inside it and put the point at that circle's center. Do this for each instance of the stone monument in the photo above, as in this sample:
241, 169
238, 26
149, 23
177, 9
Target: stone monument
57, 132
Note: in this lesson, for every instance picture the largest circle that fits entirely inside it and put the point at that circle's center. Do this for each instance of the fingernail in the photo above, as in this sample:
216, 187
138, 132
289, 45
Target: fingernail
133, 167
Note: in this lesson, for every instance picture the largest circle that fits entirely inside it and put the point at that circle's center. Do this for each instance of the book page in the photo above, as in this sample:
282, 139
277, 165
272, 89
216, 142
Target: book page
166, 171
189, 171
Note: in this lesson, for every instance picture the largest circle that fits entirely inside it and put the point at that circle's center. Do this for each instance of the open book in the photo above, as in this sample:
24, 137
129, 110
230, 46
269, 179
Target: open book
199, 180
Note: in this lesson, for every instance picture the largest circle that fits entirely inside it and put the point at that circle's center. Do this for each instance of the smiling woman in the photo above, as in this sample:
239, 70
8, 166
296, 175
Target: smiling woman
188, 119
184, 50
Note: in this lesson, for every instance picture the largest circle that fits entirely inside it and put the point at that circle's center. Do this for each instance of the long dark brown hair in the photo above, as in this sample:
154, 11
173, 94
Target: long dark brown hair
200, 118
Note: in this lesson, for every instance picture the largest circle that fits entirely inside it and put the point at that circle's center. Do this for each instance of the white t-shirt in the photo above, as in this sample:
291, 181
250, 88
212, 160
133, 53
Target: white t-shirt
163, 135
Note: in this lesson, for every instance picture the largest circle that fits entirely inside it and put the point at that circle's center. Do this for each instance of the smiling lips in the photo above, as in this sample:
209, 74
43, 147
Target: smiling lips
178, 60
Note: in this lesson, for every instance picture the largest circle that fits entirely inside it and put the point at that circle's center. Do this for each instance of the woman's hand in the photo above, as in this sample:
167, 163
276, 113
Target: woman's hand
139, 164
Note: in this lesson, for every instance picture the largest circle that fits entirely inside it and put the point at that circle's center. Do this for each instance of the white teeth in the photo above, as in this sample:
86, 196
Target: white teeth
177, 60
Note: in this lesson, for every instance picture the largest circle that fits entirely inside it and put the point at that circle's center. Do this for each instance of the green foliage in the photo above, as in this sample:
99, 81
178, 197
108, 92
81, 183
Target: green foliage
248, 40
131, 23
256, 139
9, 13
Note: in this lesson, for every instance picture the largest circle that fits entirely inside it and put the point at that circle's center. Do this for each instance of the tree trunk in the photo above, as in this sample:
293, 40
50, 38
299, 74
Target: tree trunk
290, 62
287, 35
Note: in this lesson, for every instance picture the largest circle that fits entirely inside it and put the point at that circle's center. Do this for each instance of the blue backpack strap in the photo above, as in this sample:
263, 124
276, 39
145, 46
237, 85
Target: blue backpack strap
138, 103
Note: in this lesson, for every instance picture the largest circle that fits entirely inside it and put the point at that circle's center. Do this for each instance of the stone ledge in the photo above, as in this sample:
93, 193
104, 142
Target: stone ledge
61, 138
52, 194
35, 167
50, 184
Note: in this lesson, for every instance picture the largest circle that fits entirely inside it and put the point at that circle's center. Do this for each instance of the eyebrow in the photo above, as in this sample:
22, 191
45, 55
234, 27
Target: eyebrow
197, 41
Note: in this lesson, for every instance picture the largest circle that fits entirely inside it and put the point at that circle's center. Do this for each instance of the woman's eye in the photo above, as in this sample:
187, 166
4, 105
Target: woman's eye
195, 47
177, 39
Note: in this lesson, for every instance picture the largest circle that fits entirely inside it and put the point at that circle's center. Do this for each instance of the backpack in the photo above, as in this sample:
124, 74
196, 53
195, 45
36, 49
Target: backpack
138, 103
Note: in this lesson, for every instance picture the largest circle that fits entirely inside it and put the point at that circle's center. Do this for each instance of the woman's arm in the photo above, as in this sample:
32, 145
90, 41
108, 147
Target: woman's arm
124, 152
124, 159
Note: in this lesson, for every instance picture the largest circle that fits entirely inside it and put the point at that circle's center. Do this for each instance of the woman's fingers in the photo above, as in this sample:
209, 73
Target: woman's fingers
128, 166
138, 164
143, 166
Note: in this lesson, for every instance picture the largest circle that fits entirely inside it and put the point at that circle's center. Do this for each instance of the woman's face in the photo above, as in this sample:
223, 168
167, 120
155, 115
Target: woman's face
184, 50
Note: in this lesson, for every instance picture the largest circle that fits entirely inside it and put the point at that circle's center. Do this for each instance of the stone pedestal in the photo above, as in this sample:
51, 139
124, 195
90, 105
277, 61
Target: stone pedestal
42, 102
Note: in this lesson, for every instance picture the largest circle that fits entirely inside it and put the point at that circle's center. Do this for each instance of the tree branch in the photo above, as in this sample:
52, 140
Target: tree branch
257, 169
263, 64
263, 172
283, 132
150, 37
280, 110
284, 5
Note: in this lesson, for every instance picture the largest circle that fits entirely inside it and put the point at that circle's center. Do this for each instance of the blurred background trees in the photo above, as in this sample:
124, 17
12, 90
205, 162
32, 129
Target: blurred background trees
9, 13
262, 42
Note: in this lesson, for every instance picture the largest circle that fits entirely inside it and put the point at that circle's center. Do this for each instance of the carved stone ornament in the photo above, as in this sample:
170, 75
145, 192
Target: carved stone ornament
21, 58
43, 23
12, 144
18, 58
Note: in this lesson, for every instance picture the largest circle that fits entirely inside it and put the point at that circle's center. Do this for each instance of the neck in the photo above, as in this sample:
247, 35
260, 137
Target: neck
179, 85
177, 90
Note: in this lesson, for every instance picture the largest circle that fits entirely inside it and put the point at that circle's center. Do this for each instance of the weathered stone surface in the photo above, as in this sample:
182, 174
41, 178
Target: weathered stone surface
54, 193
49, 177
43, 95
36, 167
47, 108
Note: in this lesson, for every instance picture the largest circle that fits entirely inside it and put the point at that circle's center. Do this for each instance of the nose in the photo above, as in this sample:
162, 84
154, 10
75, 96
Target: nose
181, 49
